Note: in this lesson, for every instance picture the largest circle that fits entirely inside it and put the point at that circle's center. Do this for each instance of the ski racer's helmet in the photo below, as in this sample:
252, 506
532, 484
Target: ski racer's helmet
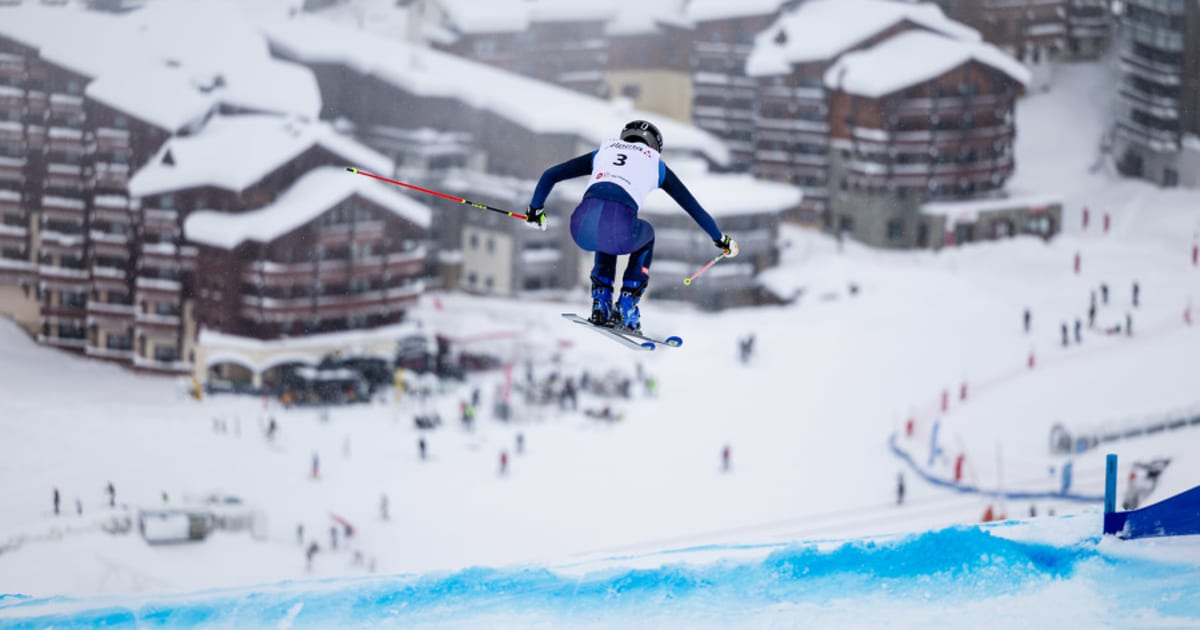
644, 132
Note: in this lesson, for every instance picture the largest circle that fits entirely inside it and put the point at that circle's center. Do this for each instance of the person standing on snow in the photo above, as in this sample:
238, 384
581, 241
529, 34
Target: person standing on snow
623, 172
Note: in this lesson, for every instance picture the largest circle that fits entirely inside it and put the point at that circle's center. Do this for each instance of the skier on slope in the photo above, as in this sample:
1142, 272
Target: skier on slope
623, 172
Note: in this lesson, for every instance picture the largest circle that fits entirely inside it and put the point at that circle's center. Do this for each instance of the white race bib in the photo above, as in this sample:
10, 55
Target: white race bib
631, 165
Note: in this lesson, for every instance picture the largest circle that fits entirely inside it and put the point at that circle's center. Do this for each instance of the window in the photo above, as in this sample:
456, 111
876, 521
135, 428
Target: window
1170, 177
114, 341
474, 241
165, 353
487, 282
895, 230
165, 309
11, 253
491, 245
74, 87
166, 202
120, 122
74, 299
471, 279
631, 90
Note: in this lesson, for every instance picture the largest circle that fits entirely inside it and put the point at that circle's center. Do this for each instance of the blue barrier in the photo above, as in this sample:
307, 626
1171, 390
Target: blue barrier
968, 489
1174, 516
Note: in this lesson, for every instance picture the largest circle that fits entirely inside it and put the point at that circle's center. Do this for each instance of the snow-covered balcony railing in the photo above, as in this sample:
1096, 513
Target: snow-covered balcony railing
102, 312
581, 76
14, 166
951, 103
1098, 22
100, 236
793, 93
1170, 7
1160, 140
1154, 37
710, 78
64, 170
102, 271
13, 233
11, 98
61, 239
1053, 28
145, 320
111, 174
159, 219
109, 353
114, 250
12, 133
60, 102
12, 65
173, 366
1154, 104
62, 342
158, 286
63, 274
794, 124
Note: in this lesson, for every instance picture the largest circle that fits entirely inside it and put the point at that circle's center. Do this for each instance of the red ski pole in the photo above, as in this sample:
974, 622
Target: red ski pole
481, 206
688, 281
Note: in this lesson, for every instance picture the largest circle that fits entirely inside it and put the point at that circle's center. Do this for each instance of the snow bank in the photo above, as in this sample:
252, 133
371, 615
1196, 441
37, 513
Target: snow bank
1004, 574
821, 30
911, 58
316, 192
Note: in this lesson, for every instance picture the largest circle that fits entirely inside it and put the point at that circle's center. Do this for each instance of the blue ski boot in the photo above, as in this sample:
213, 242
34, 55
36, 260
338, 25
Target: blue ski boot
628, 315
602, 305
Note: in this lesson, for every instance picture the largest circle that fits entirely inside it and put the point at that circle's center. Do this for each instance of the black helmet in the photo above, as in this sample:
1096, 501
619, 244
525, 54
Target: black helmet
642, 131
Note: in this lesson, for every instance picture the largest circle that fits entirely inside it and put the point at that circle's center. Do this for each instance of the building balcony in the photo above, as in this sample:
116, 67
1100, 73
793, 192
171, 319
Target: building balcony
330, 306
74, 277
62, 241
66, 103
793, 124
111, 354
12, 98
12, 134
1156, 71
158, 220
1159, 140
793, 94
1166, 39
950, 103
1165, 107
110, 175
111, 249
103, 312
158, 287
108, 139
154, 322
65, 139
1168, 7
62, 342
151, 364
12, 65
98, 236
12, 167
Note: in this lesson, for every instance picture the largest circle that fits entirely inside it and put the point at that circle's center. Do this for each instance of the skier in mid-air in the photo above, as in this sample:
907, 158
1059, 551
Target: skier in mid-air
623, 172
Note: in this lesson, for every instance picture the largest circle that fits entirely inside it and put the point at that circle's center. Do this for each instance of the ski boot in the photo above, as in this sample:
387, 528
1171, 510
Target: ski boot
602, 305
627, 314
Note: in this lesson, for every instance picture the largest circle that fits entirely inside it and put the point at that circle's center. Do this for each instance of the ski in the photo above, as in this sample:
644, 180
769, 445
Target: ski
629, 338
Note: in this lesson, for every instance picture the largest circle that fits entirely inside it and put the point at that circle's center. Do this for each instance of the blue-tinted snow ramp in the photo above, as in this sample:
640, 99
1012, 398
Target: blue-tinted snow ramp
1176, 516
926, 579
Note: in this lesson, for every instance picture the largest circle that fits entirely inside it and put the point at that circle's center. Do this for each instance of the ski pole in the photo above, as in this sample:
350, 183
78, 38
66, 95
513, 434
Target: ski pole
481, 206
688, 281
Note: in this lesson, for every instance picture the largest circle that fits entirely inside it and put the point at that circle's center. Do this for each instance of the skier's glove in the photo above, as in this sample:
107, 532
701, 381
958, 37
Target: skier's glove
536, 217
727, 244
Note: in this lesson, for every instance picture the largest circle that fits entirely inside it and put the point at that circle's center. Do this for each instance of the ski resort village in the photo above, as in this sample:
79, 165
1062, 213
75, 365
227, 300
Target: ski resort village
667, 313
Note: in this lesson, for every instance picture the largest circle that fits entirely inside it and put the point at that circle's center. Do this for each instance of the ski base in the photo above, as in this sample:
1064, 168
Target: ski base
629, 338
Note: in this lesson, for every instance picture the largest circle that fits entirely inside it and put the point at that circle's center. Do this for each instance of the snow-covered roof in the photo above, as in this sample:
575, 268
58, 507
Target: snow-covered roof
535, 105
313, 194
208, 45
642, 17
822, 29
175, 104
911, 58
709, 10
510, 16
234, 152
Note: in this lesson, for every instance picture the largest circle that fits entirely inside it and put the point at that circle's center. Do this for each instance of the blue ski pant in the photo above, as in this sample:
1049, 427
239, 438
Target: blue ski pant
610, 228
